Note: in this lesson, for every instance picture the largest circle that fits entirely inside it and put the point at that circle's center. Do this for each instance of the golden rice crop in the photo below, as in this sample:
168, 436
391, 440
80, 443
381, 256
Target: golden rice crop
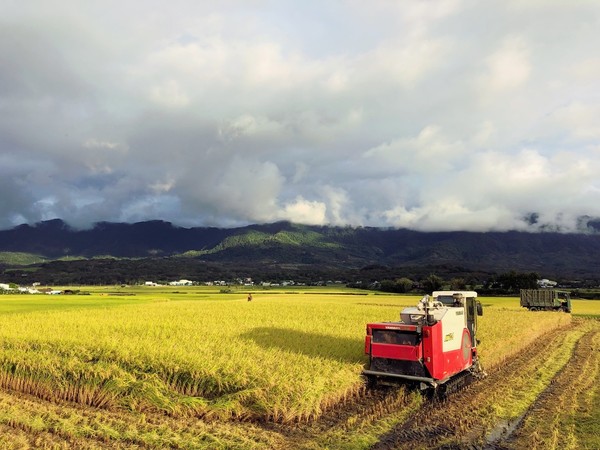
283, 357
506, 328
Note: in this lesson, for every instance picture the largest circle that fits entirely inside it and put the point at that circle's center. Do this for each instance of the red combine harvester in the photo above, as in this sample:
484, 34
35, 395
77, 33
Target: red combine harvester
434, 345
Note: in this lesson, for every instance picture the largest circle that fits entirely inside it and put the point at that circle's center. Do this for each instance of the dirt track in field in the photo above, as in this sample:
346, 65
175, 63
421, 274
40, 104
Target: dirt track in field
561, 400
459, 422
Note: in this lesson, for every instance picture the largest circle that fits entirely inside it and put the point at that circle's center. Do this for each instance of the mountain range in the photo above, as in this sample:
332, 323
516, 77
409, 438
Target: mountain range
283, 243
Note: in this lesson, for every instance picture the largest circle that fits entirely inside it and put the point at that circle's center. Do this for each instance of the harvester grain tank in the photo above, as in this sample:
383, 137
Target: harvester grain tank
546, 300
433, 343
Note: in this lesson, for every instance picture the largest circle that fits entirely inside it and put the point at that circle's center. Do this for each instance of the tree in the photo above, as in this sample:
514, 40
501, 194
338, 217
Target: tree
511, 282
432, 283
388, 286
404, 284
458, 284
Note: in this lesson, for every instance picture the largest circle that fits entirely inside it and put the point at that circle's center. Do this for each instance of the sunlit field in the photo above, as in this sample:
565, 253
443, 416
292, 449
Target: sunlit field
287, 356
283, 356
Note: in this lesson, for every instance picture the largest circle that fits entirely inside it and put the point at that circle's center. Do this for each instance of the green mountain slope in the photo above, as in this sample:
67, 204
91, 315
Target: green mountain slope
281, 243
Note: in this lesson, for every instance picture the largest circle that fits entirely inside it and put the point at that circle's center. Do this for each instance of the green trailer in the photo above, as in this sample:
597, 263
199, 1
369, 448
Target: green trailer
546, 300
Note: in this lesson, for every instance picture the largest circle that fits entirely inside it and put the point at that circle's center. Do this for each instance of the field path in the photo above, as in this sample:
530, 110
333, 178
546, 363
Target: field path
550, 423
468, 418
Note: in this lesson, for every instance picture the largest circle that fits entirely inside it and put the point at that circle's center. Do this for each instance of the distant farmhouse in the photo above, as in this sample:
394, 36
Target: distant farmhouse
545, 283
20, 290
181, 283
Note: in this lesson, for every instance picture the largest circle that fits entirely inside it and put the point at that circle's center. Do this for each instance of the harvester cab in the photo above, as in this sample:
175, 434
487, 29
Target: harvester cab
434, 342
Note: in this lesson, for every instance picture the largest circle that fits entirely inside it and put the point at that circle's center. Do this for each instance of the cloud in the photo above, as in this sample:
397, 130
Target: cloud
306, 212
580, 119
445, 115
428, 151
509, 67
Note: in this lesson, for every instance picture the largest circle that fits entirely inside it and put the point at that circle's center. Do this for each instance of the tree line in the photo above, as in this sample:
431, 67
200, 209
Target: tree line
373, 277
503, 284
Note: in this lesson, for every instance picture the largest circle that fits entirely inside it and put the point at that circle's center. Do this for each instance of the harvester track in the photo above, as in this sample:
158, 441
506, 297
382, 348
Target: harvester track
443, 424
565, 392
457, 384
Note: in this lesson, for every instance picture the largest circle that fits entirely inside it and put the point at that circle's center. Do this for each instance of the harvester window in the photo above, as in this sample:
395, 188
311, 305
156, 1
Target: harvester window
395, 337
447, 300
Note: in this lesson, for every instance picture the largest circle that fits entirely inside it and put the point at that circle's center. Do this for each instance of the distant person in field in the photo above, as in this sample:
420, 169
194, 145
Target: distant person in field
249, 297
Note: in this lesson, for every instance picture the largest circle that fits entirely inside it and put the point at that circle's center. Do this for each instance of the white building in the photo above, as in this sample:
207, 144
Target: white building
545, 283
28, 290
181, 283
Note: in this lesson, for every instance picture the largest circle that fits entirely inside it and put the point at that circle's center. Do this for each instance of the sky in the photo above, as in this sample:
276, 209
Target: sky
433, 115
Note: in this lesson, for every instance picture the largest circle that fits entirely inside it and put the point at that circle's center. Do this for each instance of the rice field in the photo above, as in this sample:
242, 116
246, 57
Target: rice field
198, 356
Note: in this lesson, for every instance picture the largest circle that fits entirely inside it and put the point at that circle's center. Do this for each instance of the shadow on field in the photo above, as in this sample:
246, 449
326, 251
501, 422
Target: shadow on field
309, 344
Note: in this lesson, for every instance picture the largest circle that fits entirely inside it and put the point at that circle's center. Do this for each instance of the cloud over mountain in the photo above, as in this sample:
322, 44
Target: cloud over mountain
449, 115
